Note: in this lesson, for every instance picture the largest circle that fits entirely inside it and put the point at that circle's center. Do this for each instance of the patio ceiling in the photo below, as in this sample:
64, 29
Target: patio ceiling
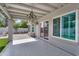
21, 10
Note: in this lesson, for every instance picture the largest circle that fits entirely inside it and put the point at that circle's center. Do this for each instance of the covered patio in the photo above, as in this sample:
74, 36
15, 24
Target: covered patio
53, 29
33, 47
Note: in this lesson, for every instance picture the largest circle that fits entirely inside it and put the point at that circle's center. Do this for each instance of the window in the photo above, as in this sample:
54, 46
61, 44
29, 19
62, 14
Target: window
68, 26
67, 23
32, 28
56, 27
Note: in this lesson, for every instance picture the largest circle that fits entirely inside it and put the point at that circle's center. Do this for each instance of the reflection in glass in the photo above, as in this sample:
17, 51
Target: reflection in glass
56, 27
68, 26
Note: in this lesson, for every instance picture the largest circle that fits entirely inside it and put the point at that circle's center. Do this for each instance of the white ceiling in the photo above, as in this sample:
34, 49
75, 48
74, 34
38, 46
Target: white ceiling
20, 10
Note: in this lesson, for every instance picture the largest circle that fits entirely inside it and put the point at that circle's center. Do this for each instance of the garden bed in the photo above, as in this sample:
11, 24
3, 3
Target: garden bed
3, 43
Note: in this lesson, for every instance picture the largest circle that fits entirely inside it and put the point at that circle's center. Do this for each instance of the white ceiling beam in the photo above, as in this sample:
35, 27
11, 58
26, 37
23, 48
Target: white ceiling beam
26, 7
21, 15
58, 5
40, 5
23, 12
32, 7
13, 12
5, 11
48, 5
16, 16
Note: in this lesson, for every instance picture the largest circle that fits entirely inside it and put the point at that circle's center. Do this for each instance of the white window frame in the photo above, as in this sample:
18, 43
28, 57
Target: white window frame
76, 26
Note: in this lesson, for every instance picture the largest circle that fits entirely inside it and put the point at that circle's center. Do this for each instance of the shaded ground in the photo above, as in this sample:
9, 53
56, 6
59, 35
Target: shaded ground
24, 45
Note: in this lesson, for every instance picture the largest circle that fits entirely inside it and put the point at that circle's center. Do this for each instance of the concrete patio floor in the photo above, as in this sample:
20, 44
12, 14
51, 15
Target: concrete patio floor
32, 47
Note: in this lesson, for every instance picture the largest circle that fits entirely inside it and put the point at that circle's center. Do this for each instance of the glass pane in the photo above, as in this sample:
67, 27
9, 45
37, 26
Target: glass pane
68, 26
72, 18
65, 26
32, 28
56, 27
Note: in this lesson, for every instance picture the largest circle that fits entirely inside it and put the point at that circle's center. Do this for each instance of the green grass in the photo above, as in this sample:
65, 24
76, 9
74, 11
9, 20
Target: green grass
3, 43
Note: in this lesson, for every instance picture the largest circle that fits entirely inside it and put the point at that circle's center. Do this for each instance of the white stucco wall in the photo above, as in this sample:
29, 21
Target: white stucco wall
69, 46
78, 25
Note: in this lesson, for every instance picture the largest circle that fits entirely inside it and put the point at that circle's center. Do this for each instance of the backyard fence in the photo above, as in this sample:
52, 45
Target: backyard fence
20, 30
4, 31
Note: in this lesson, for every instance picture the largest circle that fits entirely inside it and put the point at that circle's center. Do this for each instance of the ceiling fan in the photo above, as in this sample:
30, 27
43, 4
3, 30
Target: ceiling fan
32, 17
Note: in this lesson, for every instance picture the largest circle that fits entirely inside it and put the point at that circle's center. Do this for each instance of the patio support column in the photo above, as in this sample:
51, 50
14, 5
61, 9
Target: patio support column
30, 28
50, 29
37, 30
10, 29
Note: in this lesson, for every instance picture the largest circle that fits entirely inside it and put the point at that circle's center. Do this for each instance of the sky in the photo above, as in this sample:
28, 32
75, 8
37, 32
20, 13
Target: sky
18, 20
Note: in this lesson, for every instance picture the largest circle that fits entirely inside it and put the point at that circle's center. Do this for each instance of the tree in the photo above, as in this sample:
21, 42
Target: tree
1, 24
22, 24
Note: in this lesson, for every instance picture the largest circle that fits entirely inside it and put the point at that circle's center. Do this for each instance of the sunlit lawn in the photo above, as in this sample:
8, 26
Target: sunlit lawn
3, 43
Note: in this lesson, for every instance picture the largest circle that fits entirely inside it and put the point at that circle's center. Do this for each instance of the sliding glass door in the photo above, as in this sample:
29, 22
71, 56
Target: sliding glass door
68, 26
